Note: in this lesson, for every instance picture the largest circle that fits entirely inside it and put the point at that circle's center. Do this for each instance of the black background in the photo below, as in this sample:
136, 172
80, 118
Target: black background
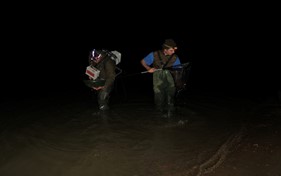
45, 48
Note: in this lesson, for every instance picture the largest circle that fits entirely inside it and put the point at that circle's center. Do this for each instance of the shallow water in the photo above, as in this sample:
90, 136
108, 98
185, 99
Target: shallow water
65, 136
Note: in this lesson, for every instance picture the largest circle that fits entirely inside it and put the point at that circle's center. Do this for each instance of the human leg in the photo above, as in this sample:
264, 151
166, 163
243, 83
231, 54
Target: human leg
103, 99
158, 87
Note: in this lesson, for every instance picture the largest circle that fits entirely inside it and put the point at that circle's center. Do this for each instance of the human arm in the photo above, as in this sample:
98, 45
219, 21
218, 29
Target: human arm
110, 73
147, 67
147, 62
177, 62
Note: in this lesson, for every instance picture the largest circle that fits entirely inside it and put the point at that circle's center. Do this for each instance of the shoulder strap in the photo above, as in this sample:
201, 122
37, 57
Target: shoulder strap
160, 58
161, 61
168, 61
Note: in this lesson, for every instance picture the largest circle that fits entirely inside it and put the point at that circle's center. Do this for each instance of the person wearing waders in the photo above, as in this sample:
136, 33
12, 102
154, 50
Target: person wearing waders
157, 62
105, 66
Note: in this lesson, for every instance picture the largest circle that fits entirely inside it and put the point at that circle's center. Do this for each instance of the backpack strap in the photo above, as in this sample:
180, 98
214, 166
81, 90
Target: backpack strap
161, 61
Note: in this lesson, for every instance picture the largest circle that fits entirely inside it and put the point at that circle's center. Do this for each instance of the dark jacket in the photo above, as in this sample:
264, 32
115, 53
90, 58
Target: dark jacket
106, 66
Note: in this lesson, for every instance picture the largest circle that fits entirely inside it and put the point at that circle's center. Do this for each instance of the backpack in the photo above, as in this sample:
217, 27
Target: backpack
94, 72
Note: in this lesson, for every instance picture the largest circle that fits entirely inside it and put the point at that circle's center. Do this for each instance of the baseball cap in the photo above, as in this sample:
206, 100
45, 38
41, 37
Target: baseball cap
170, 43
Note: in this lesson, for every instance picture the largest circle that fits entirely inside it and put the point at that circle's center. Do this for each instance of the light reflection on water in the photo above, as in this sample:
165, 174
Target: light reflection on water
131, 139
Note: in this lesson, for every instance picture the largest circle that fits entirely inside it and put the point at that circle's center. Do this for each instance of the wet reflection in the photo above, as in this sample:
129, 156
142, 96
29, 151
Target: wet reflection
68, 136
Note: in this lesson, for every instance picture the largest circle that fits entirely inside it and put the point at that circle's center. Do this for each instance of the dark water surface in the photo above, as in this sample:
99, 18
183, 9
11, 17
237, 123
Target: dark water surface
63, 135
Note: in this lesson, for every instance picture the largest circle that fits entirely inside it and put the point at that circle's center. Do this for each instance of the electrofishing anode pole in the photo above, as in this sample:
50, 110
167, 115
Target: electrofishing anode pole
167, 68
182, 65
147, 71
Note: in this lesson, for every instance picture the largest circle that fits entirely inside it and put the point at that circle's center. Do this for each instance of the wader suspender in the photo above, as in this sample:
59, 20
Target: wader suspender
164, 65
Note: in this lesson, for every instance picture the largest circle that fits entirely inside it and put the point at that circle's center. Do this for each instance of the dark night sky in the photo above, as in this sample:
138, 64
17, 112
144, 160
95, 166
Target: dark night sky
46, 51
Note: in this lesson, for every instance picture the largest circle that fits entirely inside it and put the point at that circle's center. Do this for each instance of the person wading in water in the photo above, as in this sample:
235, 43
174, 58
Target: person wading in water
163, 83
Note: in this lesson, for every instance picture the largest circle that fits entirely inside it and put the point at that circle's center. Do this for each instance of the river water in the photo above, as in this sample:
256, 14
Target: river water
63, 135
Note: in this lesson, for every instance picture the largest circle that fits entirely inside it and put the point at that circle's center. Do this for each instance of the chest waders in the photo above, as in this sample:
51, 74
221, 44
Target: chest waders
164, 90
104, 94
164, 87
103, 98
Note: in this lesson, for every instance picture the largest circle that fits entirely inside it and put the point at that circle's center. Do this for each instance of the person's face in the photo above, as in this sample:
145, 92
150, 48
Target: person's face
169, 51
97, 59
96, 56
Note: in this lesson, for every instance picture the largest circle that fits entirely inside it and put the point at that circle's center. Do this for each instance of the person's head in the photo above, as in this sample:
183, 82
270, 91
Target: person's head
169, 47
96, 55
